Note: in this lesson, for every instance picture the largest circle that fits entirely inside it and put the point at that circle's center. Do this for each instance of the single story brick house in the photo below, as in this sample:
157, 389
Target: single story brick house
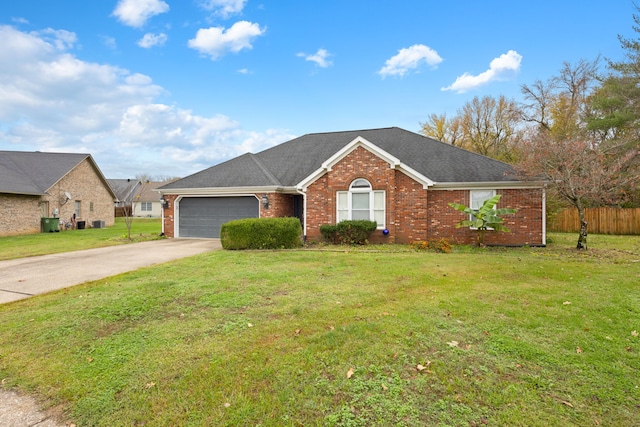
402, 180
36, 185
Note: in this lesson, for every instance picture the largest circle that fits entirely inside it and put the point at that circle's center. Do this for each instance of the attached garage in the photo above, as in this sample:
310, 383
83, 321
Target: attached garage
203, 216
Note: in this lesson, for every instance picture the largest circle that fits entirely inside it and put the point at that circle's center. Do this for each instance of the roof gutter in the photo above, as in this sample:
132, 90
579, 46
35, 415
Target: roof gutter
486, 185
216, 191
22, 193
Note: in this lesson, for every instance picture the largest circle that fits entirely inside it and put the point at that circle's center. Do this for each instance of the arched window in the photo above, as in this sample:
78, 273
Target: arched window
361, 202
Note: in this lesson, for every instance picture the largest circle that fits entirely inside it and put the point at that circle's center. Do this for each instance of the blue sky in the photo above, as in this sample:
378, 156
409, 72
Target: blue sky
168, 87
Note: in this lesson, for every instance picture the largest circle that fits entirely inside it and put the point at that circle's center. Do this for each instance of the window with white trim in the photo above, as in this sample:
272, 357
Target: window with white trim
146, 206
361, 202
477, 199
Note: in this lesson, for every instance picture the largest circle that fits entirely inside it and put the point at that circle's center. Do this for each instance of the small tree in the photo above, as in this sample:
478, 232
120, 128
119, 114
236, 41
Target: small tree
485, 218
127, 211
583, 173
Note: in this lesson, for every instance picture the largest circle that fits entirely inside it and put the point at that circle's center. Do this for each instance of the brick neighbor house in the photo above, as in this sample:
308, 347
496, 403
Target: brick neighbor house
35, 185
402, 180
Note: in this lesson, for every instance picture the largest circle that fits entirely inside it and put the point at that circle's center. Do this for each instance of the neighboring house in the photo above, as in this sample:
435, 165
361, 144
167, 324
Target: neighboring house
125, 190
402, 180
35, 185
146, 203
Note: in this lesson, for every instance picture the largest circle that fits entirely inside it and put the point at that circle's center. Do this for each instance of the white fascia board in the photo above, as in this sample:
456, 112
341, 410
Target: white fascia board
415, 175
215, 191
394, 163
486, 185
302, 185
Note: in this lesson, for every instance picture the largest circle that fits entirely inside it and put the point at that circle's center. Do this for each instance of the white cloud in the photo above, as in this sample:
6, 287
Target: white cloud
150, 40
52, 101
19, 20
109, 42
499, 69
216, 41
321, 58
135, 13
61, 39
408, 59
223, 8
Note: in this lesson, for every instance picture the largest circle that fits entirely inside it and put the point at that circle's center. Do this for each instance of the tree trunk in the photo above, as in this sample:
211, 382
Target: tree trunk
481, 237
582, 240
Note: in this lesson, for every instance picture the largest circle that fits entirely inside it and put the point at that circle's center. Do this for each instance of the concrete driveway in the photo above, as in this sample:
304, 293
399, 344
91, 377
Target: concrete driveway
25, 277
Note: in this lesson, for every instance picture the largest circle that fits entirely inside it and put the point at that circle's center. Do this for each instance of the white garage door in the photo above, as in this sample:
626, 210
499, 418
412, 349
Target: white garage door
203, 216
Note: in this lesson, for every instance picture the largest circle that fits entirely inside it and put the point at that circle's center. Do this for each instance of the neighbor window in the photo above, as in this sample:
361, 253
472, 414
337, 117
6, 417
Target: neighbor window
146, 206
361, 202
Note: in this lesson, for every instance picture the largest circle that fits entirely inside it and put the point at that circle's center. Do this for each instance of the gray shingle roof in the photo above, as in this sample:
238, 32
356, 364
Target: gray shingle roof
124, 188
290, 163
148, 193
34, 173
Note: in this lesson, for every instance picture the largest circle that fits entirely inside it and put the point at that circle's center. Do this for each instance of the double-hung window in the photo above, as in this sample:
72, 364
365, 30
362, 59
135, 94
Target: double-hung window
146, 206
477, 199
361, 202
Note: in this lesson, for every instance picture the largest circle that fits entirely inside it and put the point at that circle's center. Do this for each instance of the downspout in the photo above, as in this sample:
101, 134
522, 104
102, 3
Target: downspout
162, 216
304, 213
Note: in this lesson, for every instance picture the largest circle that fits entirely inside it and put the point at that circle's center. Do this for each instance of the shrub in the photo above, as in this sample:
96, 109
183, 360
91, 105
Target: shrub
261, 233
441, 245
353, 232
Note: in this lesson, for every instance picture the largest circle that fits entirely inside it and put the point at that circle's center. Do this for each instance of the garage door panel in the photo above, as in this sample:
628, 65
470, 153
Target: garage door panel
203, 216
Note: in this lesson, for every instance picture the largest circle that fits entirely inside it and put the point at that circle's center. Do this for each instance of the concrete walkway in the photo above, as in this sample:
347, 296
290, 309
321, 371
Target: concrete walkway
26, 277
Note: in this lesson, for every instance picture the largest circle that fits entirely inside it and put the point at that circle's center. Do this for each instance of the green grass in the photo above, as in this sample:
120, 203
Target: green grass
526, 336
72, 240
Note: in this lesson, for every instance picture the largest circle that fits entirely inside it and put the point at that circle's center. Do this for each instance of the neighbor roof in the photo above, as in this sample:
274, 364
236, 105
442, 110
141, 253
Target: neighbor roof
148, 193
288, 164
33, 173
124, 188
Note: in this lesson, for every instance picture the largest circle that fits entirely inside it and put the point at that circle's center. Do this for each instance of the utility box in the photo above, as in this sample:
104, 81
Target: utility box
80, 225
50, 225
97, 224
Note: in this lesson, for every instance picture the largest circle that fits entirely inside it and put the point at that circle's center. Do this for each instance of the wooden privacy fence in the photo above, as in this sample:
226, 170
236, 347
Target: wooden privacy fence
601, 221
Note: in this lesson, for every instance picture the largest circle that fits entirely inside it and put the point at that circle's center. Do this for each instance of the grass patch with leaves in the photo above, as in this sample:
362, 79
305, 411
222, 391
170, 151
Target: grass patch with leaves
481, 336
26, 245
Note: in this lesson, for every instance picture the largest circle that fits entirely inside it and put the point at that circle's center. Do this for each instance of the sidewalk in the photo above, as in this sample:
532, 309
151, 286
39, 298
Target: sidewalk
26, 277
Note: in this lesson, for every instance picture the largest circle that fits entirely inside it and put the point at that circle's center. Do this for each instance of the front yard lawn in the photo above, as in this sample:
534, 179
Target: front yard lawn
349, 337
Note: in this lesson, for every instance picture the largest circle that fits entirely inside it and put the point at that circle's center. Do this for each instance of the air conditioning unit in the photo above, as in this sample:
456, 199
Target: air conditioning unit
98, 224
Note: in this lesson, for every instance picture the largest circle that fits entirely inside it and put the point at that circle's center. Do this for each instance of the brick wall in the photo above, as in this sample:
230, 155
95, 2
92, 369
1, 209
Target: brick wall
21, 214
85, 186
411, 210
321, 195
525, 224
413, 213
280, 205
169, 215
